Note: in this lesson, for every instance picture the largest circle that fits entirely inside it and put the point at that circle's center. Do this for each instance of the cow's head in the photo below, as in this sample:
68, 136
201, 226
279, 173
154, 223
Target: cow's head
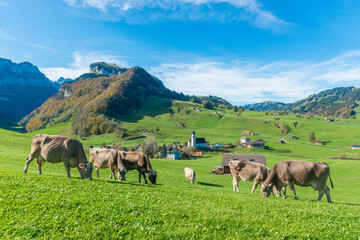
152, 176
85, 170
266, 189
92, 154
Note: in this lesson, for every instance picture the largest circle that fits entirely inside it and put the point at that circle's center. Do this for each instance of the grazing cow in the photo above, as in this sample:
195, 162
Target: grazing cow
135, 160
104, 158
56, 149
190, 175
248, 171
288, 173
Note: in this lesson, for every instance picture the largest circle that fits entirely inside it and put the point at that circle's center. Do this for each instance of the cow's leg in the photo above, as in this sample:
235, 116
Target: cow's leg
284, 192
195, 180
255, 185
143, 174
139, 177
97, 172
327, 191
28, 160
38, 163
292, 189
236, 184
112, 174
321, 193
67, 168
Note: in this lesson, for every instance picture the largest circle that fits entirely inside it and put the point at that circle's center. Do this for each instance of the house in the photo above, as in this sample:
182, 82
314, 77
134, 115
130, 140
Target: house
197, 154
244, 140
147, 131
197, 142
214, 112
259, 143
318, 142
216, 145
247, 133
197, 109
330, 120
281, 141
355, 147
227, 157
173, 155
84, 138
277, 118
180, 125
293, 137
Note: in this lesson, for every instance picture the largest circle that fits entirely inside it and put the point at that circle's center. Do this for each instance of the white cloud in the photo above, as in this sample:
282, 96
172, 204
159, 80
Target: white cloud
80, 64
150, 10
242, 83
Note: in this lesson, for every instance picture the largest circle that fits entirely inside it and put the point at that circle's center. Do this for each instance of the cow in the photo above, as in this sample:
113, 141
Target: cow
104, 158
135, 160
248, 171
190, 175
288, 173
56, 149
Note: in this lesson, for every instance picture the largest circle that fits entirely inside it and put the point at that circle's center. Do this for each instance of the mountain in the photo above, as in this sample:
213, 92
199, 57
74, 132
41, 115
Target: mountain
93, 101
341, 102
106, 69
266, 106
22, 89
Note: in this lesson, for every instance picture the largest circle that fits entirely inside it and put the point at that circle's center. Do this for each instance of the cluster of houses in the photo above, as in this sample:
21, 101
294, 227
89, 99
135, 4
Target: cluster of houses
258, 143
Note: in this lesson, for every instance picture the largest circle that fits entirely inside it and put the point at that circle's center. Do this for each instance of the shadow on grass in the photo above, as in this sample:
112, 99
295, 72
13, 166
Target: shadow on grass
142, 184
210, 184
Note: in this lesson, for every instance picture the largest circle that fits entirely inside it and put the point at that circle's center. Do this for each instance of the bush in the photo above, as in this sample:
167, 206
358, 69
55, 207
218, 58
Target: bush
117, 145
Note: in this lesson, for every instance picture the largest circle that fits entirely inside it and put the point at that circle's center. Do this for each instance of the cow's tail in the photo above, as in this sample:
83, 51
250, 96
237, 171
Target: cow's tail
331, 181
230, 164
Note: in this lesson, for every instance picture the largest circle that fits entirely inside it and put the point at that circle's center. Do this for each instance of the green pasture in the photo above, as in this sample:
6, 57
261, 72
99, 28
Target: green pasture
51, 206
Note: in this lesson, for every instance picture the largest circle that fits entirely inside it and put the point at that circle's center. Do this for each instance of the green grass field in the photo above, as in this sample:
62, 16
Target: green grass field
51, 206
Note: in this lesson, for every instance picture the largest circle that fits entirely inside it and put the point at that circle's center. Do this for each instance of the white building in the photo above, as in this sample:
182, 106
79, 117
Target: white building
197, 142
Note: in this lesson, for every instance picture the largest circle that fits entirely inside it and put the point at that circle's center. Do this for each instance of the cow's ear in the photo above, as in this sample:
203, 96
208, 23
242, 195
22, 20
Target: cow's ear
239, 166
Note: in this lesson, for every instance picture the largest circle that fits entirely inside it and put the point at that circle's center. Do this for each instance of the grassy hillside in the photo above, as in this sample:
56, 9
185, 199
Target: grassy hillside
52, 206
341, 102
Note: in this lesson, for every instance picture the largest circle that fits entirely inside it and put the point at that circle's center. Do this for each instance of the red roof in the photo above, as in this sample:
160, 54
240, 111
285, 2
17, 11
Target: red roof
197, 154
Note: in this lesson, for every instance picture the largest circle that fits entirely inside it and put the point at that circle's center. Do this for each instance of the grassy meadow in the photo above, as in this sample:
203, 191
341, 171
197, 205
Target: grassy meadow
51, 206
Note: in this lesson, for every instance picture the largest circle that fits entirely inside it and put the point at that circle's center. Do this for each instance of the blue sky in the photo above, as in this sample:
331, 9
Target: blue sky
242, 50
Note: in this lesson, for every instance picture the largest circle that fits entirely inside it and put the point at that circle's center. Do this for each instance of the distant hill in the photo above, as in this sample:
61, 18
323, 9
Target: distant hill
340, 102
216, 101
22, 89
92, 101
266, 106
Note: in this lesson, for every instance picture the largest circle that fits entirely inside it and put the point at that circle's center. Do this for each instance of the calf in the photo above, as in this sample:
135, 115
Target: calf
248, 171
104, 158
288, 173
190, 175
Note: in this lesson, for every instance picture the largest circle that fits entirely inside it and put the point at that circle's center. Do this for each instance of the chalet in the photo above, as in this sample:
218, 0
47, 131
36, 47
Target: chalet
174, 154
214, 112
355, 147
293, 137
277, 118
197, 154
216, 145
180, 125
259, 143
227, 157
281, 141
84, 138
330, 120
247, 133
197, 109
244, 140
197, 142
318, 142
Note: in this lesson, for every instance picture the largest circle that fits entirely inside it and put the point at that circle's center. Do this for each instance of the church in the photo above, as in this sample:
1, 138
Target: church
197, 142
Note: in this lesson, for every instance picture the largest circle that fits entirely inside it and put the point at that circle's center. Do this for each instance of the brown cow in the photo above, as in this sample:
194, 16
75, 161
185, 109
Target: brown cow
135, 160
56, 149
248, 171
104, 158
288, 173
